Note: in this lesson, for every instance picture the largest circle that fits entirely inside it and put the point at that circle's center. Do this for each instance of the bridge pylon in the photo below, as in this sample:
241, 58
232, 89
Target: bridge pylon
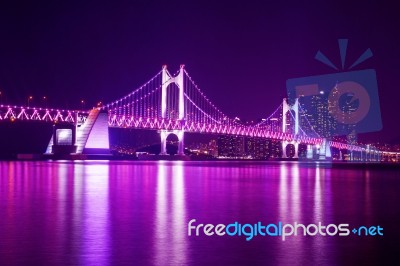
285, 109
167, 79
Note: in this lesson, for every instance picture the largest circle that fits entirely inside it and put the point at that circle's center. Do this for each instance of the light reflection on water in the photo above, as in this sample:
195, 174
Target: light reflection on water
136, 213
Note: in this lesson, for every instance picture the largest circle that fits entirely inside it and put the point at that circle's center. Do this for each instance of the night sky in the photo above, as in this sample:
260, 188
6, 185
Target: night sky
239, 53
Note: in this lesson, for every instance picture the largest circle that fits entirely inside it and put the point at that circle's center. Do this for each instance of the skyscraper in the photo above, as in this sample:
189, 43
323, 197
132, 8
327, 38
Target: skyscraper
316, 116
257, 148
231, 146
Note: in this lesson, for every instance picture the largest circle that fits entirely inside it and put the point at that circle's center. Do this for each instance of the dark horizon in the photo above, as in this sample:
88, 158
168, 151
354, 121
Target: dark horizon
240, 54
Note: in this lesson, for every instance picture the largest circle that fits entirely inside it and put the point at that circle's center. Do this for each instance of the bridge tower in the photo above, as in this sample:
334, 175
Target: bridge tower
285, 109
178, 80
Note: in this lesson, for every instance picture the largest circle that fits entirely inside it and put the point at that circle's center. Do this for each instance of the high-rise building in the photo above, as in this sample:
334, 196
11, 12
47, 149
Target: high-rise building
317, 116
213, 148
346, 105
257, 148
275, 149
231, 146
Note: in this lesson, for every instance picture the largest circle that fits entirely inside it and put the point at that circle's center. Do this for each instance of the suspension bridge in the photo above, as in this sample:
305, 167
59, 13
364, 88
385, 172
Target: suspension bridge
174, 104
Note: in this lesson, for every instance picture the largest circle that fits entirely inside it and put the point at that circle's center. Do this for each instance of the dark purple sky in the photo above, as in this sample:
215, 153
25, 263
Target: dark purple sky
240, 54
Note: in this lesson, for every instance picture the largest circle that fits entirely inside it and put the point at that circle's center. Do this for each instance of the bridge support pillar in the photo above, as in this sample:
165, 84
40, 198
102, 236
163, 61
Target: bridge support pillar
181, 144
164, 135
296, 149
284, 145
309, 152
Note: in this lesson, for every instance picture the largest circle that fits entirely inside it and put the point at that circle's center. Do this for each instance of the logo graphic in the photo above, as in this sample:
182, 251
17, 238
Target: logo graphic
340, 103
280, 229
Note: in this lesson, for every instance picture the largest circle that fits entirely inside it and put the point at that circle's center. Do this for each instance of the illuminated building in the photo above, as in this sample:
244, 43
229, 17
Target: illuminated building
231, 146
317, 113
275, 149
213, 148
257, 148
